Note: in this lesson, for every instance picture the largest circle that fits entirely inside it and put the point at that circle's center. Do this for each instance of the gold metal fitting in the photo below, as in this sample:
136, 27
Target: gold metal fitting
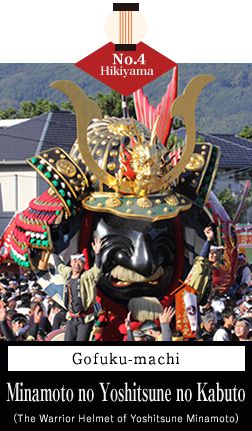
93, 179
129, 203
172, 200
113, 202
144, 202
111, 166
113, 153
196, 162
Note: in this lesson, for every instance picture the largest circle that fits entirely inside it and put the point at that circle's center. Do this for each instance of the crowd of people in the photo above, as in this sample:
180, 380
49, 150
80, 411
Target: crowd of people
27, 313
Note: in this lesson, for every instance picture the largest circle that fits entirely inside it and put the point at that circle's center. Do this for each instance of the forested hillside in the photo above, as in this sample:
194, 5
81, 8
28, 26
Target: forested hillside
224, 106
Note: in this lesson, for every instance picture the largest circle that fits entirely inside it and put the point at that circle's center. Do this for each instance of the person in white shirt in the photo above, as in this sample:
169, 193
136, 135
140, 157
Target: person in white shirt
224, 333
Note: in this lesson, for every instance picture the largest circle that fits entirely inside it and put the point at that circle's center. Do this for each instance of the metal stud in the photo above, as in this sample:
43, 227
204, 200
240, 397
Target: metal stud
111, 166
93, 179
113, 153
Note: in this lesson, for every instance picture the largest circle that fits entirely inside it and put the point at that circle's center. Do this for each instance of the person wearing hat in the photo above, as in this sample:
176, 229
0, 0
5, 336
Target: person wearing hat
18, 330
13, 284
79, 294
39, 297
8, 294
12, 302
151, 329
4, 284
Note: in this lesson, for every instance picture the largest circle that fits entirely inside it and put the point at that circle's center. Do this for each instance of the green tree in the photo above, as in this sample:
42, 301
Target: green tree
246, 133
67, 106
111, 105
9, 113
177, 123
229, 201
247, 205
30, 109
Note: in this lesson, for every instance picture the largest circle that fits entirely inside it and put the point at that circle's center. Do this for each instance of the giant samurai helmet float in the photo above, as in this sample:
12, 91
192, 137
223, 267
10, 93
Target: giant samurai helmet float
126, 182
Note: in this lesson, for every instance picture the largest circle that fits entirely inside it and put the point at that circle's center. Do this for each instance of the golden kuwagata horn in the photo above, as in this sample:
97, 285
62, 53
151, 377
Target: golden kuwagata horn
184, 106
87, 109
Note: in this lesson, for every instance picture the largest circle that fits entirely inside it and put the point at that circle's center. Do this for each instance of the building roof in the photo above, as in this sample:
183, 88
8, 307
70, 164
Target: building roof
58, 129
235, 152
235, 140
49, 130
12, 122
